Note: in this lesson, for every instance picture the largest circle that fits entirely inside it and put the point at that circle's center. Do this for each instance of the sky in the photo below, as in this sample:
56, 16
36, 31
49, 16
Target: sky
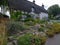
47, 3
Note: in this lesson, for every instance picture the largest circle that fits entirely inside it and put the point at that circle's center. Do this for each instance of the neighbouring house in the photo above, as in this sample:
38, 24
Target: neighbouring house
31, 8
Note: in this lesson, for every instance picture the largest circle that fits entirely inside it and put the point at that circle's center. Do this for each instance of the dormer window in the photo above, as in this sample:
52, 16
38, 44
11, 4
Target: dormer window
33, 10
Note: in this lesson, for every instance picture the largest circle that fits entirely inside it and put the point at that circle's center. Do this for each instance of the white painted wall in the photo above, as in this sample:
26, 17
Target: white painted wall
0, 9
7, 12
34, 15
43, 15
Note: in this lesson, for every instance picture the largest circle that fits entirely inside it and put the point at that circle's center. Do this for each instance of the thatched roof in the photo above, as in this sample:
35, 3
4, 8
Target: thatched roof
24, 5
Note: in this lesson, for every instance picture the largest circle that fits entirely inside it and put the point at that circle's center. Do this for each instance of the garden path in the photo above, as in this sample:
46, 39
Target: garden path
53, 41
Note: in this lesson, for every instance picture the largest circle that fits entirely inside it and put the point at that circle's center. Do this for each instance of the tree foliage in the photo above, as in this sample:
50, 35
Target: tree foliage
54, 10
16, 15
4, 2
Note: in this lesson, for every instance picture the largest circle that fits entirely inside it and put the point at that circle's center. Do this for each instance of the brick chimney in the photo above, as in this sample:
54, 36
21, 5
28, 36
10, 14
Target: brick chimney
42, 5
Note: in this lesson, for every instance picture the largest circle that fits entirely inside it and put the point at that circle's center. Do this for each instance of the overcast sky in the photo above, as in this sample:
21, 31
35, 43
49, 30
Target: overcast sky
47, 3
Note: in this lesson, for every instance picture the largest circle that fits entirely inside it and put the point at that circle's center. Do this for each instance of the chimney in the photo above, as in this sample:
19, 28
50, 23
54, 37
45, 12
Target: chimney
42, 6
34, 1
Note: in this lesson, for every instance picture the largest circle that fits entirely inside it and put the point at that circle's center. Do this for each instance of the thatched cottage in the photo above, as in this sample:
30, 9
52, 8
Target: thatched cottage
29, 7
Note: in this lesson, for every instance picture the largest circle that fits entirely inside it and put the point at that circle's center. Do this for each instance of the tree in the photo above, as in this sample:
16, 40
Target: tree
53, 10
4, 2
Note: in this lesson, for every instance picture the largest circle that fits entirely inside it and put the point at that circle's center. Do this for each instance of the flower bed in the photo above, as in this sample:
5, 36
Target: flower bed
30, 39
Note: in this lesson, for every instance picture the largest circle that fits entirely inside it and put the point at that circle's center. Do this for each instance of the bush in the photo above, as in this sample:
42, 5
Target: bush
30, 23
56, 27
50, 33
29, 39
43, 40
14, 27
41, 29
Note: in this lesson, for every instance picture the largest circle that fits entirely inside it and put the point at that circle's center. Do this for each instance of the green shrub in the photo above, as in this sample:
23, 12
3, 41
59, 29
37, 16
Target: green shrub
29, 39
43, 39
50, 33
14, 27
56, 27
30, 23
41, 29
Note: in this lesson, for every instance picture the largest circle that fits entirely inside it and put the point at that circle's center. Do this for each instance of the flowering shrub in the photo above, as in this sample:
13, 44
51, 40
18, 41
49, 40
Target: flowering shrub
50, 33
52, 29
15, 27
30, 39
56, 27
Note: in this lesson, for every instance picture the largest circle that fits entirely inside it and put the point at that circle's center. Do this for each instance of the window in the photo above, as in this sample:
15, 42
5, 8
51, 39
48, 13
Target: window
32, 9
